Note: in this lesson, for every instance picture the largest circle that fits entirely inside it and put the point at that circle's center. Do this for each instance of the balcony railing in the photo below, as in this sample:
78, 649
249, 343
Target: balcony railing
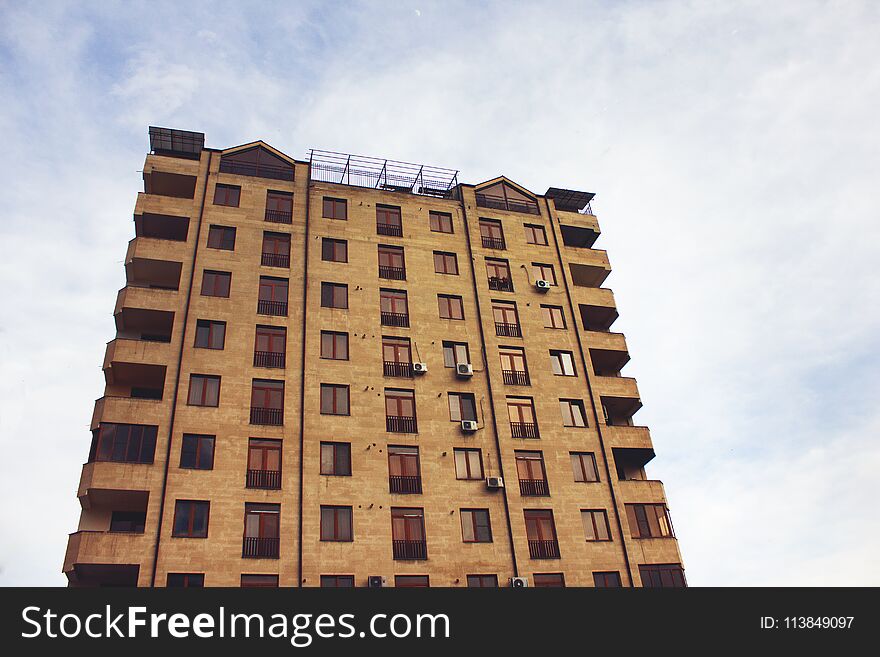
393, 273
508, 330
515, 377
501, 203
279, 216
496, 243
405, 484
268, 416
543, 549
534, 487
392, 368
524, 430
400, 424
259, 548
395, 230
268, 479
410, 549
500, 284
275, 260
272, 307
269, 359
395, 319
256, 170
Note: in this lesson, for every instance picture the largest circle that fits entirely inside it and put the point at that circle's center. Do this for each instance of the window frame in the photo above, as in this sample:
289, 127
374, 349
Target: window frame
533, 230
335, 289
213, 327
335, 203
475, 526
572, 404
581, 470
339, 529
335, 402
552, 316
440, 216
222, 242
596, 525
446, 257
224, 194
450, 307
335, 338
203, 380
191, 507
199, 439
467, 452
336, 448
334, 250
223, 278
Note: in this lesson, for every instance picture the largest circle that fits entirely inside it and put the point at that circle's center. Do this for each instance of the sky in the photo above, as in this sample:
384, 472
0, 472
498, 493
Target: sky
734, 148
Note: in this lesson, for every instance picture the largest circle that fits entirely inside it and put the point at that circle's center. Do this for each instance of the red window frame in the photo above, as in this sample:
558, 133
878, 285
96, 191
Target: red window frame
334, 294
221, 237
216, 283
228, 195
445, 262
440, 222
334, 250
452, 305
333, 398
340, 455
188, 510
535, 234
210, 334
202, 389
343, 523
334, 345
266, 393
335, 208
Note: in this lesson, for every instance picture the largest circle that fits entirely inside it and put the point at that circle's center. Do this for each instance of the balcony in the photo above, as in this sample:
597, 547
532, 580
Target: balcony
592, 274
274, 359
122, 410
165, 183
534, 488
400, 320
524, 430
272, 417
144, 324
256, 169
161, 226
630, 462
400, 424
99, 478
275, 260
265, 479
100, 558
515, 377
579, 236
642, 491
504, 203
136, 360
405, 485
617, 386
508, 330
619, 410
495, 243
254, 547
392, 273
629, 437
391, 368
596, 307
275, 308
393, 230
543, 549
608, 362
500, 284
132, 298
152, 273
278, 216
410, 550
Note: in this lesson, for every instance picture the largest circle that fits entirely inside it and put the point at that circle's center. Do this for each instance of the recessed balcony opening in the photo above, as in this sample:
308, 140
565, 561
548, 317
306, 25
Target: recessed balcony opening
588, 275
597, 318
620, 410
137, 380
92, 575
117, 511
162, 183
577, 237
158, 274
630, 462
144, 324
608, 362
161, 226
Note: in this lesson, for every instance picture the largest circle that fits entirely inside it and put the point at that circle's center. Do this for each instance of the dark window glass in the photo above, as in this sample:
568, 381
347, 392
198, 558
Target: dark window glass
191, 519
197, 452
126, 443
334, 399
131, 522
440, 222
608, 580
334, 250
334, 345
221, 237
227, 195
186, 580
468, 463
259, 581
482, 581
216, 283
335, 208
210, 334
336, 523
334, 295
649, 521
336, 459
583, 464
462, 406
549, 580
451, 307
337, 581
411, 581
667, 575
475, 526
204, 390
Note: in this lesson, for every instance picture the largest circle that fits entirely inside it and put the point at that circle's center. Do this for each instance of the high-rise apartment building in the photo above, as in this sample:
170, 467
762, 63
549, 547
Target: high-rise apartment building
347, 371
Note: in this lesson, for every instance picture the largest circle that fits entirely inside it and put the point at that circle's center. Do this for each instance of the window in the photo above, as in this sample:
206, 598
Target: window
336, 523
404, 471
411, 581
535, 234
609, 580
204, 390
185, 580
216, 283
197, 452
475, 527
649, 521
553, 317
270, 345
191, 519
128, 522
498, 272
335, 208
276, 250
391, 263
279, 207
408, 533
440, 222
543, 272
462, 406
336, 459
521, 412
264, 464
123, 443
491, 233
666, 575
451, 306
455, 353
513, 366
573, 413
259, 581
334, 345
562, 362
549, 580
337, 581
227, 195
531, 473
267, 402
595, 524
445, 263
261, 531
334, 295
482, 581
393, 308
506, 319
396, 357
272, 298
468, 463
221, 237
583, 465
541, 534
334, 250
400, 411
210, 334
334, 399
388, 221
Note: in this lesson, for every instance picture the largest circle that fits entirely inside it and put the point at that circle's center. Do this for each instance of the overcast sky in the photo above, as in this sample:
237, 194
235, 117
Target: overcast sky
734, 149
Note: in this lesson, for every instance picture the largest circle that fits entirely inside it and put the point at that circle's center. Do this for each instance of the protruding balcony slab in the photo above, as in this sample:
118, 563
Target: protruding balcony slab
593, 273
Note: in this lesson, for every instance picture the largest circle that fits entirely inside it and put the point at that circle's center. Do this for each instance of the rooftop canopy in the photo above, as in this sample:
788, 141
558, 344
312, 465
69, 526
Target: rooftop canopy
178, 143
569, 200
